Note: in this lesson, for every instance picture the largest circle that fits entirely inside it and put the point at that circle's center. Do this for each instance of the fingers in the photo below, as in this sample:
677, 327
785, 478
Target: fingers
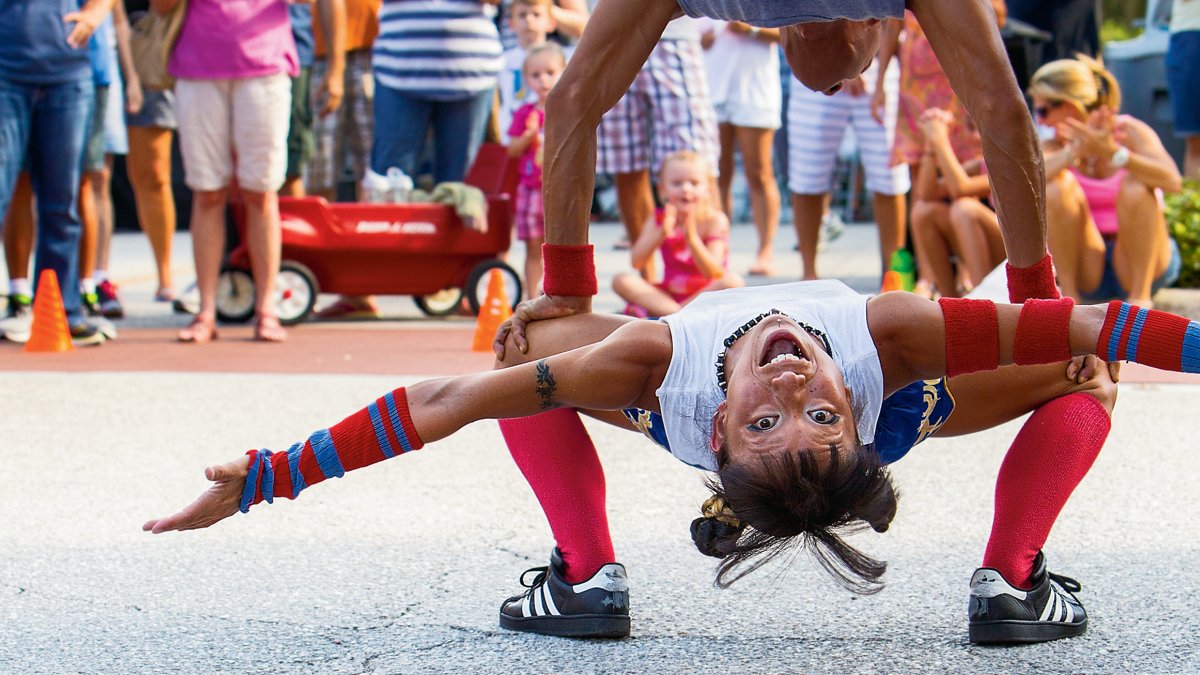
1114, 371
498, 344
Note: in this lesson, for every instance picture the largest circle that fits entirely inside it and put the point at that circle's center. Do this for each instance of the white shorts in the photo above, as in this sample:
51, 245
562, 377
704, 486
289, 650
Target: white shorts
219, 119
754, 117
816, 124
666, 109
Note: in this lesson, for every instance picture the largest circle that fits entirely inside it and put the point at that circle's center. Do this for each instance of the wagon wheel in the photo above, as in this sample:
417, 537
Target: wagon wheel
443, 303
477, 283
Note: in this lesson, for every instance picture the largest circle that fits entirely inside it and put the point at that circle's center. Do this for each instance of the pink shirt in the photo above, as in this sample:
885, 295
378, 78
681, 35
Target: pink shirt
530, 166
235, 39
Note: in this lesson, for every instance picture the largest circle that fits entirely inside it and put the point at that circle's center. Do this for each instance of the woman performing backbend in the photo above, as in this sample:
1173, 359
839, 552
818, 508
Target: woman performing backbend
781, 390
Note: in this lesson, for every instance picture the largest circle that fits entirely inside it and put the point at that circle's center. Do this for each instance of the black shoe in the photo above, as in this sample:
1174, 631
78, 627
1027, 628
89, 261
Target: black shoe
999, 613
596, 608
110, 304
84, 334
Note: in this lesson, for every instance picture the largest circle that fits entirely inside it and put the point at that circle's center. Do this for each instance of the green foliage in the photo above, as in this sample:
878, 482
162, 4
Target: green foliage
1183, 219
1114, 30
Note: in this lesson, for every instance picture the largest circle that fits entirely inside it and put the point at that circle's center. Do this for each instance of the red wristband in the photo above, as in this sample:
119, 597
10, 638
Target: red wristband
972, 335
1036, 281
568, 270
1043, 332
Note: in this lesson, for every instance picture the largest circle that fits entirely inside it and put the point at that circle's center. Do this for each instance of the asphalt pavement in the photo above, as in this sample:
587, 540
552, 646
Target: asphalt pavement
400, 568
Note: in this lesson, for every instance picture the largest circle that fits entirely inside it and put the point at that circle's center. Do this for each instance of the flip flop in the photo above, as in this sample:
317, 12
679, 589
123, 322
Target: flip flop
199, 331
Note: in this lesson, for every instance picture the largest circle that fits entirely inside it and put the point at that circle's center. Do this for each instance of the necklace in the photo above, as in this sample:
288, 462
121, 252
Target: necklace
745, 328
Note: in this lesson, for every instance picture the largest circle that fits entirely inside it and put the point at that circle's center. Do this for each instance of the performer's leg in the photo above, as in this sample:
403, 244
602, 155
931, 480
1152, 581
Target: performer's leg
557, 457
1049, 457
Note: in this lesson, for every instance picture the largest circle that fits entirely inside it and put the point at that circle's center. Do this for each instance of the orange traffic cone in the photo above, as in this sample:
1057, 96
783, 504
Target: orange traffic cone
892, 282
494, 311
49, 332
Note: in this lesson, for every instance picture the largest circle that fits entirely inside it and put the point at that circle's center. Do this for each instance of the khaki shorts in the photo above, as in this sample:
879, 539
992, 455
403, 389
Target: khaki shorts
219, 119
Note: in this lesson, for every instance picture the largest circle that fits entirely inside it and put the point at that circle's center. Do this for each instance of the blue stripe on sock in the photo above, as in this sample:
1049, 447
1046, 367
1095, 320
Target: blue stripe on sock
1135, 333
380, 433
1189, 361
327, 457
395, 417
298, 483
1114, 340
251, 482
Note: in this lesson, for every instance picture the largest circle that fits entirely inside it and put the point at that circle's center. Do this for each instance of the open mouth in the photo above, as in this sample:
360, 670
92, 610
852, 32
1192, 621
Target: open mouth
782, 347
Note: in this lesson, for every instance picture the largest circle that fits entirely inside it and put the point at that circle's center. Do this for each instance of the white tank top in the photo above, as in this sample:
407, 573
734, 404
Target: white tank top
689, 394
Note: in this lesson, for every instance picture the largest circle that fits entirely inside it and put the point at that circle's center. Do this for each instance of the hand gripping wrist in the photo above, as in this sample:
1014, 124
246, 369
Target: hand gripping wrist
569, 270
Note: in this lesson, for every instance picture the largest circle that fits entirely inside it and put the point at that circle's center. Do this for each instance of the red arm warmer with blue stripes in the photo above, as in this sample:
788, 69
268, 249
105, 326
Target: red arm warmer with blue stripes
375, 433
1147, 336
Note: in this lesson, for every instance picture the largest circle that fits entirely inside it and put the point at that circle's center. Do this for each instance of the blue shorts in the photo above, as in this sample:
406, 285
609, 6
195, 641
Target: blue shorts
1183, 81
1110, 287
906, 418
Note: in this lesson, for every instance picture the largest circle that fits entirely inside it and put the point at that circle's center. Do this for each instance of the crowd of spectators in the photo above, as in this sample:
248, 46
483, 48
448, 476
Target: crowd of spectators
299, 97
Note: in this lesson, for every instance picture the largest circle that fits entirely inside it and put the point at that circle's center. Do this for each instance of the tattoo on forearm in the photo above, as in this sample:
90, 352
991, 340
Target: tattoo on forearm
546, 385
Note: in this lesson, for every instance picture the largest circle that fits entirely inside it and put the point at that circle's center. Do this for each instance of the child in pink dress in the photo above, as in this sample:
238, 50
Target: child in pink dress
691, 236
541, 71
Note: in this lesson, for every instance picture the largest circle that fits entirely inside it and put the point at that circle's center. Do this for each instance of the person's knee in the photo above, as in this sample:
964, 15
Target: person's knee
964, 210
1063, 190
210, 199
1136, 195
922, 213
1103, 389
622, 281
732, 280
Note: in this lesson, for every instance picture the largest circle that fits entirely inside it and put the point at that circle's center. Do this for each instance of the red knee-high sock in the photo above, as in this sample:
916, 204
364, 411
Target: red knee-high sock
558, 459
1049, 457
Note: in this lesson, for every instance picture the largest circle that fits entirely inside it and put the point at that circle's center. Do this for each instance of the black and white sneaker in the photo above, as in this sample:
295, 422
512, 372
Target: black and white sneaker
596, 608
1000, 613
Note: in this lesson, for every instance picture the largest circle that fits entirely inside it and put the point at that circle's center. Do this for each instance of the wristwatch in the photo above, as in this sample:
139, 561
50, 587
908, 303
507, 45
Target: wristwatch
1119, 158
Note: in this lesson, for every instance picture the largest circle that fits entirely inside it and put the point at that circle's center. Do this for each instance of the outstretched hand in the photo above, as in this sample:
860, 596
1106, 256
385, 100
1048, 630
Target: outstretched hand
541, 307
217, 503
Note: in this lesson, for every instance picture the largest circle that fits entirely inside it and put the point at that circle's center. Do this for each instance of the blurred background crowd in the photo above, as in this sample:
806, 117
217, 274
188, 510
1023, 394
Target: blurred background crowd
159, 115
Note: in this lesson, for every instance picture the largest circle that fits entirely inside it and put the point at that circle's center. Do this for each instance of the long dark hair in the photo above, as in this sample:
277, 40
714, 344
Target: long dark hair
765, 506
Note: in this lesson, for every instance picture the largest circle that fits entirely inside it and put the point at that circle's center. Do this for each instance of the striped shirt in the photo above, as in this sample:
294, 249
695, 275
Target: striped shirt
441, 50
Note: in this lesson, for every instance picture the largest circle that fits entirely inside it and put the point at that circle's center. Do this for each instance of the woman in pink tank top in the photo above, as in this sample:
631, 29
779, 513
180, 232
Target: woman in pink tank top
1105, 174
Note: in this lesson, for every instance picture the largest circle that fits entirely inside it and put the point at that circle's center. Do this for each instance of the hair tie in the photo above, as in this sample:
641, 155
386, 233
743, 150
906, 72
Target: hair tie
715, 507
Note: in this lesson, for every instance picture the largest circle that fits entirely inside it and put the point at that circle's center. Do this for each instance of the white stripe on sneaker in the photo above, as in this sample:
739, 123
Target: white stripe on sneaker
549, 598
538, 607
525, 606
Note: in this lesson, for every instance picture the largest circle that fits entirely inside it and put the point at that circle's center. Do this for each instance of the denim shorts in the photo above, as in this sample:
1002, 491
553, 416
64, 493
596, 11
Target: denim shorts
1110, 287
1183, 81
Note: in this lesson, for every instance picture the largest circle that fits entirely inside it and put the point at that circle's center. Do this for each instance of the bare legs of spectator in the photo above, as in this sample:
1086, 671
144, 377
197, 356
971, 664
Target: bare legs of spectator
756, 146
932, 237
208, 243
19, 229
635, 200
890, 216
148, 166
1141, 252
977, 231
293, 186
88, 238
807, 211
634, 289
100, 183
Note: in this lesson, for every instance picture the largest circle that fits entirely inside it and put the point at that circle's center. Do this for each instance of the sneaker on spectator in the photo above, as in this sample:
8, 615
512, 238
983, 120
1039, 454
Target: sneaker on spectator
18, 321
187, 302
1000, 613
596, 608
91, 303
110, 305
84, 334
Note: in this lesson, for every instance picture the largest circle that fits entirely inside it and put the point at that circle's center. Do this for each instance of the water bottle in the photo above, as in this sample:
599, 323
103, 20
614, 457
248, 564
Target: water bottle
902, 265
400, 185
376, 188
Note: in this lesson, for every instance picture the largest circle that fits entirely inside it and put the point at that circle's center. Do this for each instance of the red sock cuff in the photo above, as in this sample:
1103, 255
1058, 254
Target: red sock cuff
972, 335
1043, 332
1036, 281
568, 270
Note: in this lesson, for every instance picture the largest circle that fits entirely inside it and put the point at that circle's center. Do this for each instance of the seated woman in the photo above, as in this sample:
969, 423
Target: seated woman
949, 216
795, 395
1105, 173
692, 237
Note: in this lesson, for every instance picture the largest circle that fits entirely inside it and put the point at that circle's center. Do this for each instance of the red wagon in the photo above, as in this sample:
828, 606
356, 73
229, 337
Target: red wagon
422, 250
